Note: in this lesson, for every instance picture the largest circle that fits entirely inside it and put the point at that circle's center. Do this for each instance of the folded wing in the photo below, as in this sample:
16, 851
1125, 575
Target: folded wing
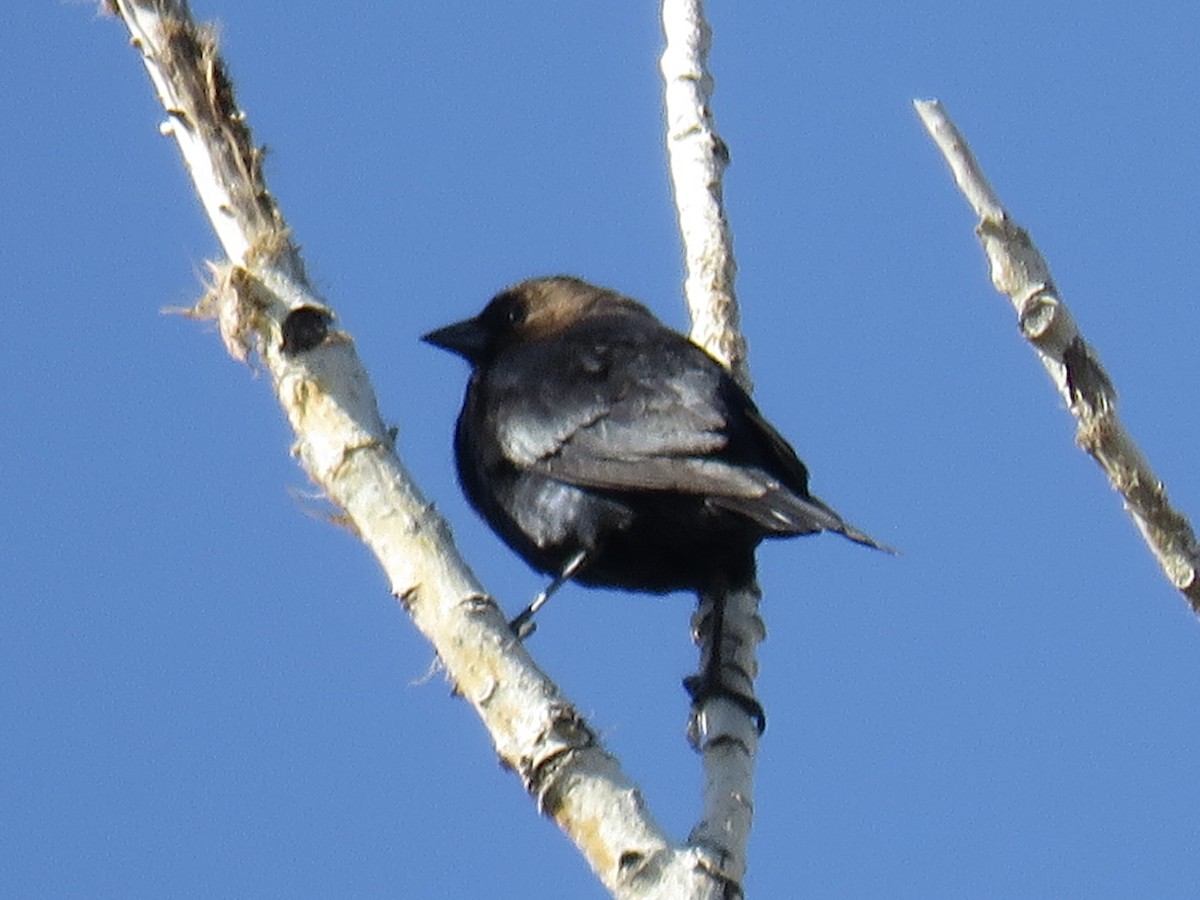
610, 419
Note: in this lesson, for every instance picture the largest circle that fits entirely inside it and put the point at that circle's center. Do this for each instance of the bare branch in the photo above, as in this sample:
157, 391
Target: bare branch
1020, 272
698, 158
265, 304
723, 732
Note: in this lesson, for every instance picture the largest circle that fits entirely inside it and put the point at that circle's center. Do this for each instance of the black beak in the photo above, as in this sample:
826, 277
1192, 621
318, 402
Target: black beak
467, 338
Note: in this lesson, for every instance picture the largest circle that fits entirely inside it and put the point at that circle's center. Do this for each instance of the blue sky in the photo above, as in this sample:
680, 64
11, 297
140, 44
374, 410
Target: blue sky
205, 689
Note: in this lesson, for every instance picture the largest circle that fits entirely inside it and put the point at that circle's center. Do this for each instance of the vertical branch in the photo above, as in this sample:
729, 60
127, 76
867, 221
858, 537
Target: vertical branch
1020, 272
698, 156
723, 732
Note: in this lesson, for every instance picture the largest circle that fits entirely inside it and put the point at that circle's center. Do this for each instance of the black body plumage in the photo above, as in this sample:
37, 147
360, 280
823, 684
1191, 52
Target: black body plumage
594, 437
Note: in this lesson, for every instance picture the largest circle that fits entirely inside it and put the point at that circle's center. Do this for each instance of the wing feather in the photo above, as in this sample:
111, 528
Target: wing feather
619, 409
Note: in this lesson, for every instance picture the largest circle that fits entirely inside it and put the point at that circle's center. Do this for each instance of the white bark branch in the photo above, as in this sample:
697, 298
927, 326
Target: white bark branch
264, 303
724, 733
1020, 272
697, 157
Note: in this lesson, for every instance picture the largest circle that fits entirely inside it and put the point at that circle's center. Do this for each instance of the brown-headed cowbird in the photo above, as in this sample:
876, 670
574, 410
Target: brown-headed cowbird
607, 449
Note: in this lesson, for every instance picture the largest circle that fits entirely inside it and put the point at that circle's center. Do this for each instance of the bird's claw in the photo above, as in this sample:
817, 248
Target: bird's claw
705, 687
523, 625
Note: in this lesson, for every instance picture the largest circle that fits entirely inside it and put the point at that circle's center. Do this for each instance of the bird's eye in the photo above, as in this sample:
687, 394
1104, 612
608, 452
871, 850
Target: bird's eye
506, 311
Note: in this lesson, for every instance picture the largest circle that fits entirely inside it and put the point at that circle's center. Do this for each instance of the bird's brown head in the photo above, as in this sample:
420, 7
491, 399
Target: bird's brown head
532, 310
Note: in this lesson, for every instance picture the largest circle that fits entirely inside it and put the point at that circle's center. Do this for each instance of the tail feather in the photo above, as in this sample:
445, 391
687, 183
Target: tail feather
781, 512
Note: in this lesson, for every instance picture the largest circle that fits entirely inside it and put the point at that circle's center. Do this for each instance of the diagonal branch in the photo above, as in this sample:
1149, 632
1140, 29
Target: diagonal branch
264, 304
1020, 272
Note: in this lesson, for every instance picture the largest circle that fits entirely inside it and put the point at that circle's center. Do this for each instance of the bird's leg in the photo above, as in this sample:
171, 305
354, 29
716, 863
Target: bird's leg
523, 625
711, 681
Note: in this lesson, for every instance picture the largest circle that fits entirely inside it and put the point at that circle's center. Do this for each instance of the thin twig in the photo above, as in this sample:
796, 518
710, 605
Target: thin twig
1020, 272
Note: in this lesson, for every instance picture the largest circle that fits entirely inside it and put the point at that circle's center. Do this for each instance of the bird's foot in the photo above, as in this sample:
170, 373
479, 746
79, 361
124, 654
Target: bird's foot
523, 625
709, 685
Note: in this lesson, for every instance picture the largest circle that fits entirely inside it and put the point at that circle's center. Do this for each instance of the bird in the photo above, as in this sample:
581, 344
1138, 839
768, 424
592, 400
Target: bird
605, 448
